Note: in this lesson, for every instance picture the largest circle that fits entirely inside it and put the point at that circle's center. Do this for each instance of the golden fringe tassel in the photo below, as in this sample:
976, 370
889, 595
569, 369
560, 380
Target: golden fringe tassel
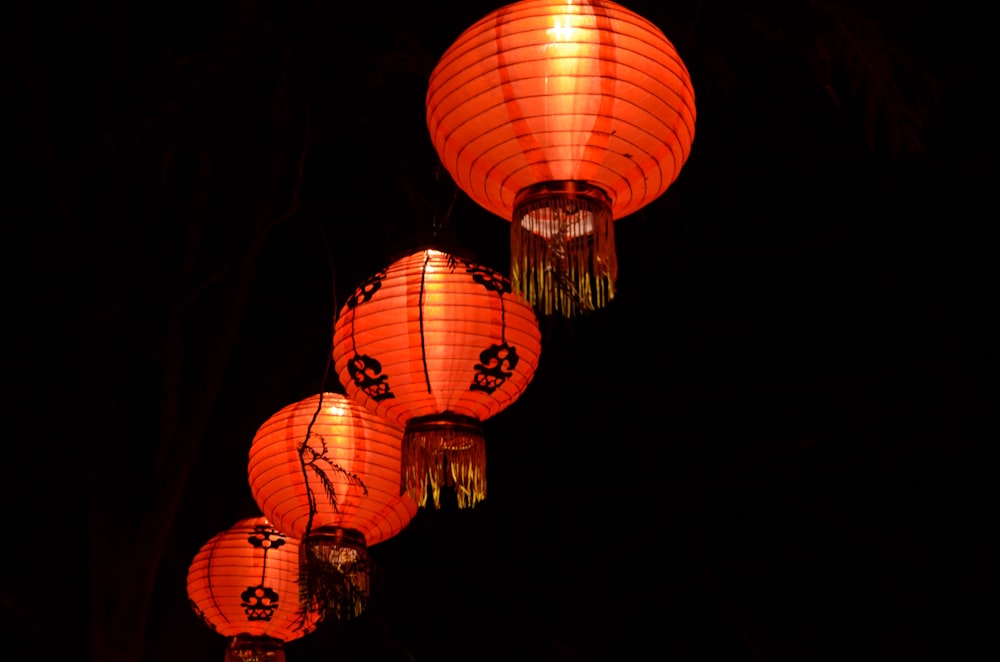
334, 573
439, 456
563, 253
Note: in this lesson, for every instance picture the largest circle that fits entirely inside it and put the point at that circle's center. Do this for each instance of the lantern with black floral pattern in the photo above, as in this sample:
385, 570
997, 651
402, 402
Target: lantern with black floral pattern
438, 344
244, 583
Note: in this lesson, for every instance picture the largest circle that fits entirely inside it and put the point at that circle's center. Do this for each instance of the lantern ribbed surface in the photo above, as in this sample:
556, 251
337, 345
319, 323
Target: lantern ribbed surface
438, 344
544, 91
351, 454
245, 581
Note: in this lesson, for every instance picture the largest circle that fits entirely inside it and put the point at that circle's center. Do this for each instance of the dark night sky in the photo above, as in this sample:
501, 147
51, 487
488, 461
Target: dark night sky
767, 448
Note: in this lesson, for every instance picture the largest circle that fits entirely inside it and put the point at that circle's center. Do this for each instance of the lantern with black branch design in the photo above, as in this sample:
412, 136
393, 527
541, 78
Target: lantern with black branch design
327, 470
562, 116
437, 344
244, 583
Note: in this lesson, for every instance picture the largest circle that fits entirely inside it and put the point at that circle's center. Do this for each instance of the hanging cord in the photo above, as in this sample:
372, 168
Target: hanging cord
311, 594
441, 222
322, 391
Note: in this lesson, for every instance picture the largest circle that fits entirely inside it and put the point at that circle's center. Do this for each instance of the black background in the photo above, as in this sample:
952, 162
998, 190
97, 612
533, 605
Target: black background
766, 448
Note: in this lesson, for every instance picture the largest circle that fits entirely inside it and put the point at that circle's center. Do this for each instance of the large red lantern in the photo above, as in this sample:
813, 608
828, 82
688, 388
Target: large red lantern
327, 471
561, 116
244, 583
438, 344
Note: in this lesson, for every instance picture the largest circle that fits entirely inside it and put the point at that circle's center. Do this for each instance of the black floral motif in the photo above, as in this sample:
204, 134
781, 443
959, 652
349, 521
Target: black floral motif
364, 372
491, 280
366, 290
266, 537
313, 458
259, 602
496, 365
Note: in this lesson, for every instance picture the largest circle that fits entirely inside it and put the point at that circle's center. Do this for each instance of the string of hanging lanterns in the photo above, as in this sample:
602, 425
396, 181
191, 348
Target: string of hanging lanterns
562, 116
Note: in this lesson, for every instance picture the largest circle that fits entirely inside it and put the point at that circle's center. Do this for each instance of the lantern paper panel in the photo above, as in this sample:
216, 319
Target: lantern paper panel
328, 470
438, 344
586, 104
244, 583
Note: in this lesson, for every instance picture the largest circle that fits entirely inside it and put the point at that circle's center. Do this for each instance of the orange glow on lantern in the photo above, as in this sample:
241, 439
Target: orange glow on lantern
437, 344
244, 583
327, 470
562, 117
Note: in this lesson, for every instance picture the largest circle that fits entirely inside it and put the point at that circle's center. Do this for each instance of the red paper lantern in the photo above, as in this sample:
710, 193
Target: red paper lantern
562, 116
437, 344
327, 471
244, 583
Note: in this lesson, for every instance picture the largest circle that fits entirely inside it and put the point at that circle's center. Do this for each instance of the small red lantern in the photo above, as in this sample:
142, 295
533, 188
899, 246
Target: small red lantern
438, 344
244, 583
562, 116
327, 471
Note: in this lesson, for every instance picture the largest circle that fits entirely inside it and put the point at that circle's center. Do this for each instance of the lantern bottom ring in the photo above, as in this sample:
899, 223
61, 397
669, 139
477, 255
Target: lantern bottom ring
248, 648
576, 202
449, 431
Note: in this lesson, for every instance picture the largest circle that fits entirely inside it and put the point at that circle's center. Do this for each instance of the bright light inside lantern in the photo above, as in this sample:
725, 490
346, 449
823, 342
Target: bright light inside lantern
428, 265
567, 63
561, 32
565, 26
551, 222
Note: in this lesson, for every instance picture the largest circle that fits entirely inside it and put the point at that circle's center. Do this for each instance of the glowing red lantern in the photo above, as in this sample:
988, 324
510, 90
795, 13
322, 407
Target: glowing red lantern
244, 583
437, 344
327, 471
562, 116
